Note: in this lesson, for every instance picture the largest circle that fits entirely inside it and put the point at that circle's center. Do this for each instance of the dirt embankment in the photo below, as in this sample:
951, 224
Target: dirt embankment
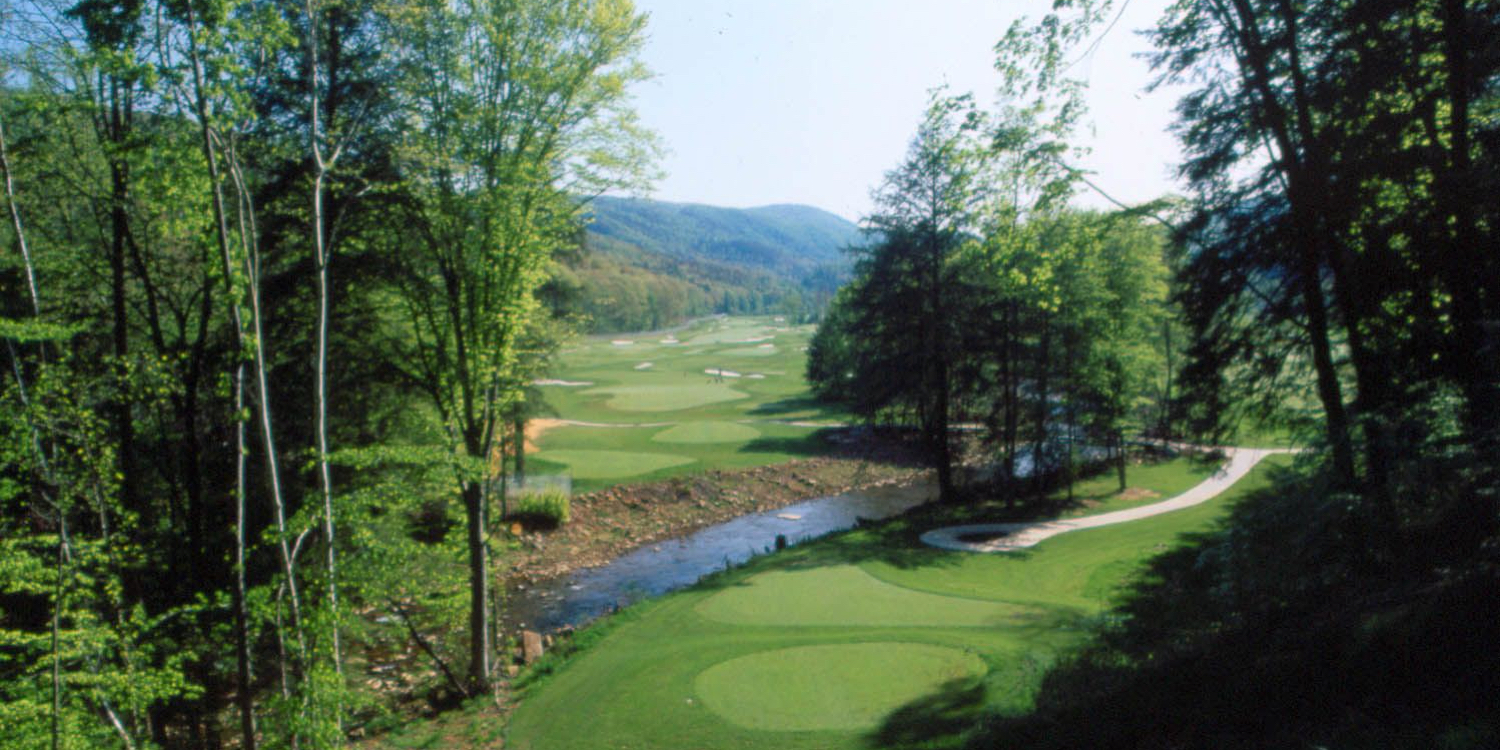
609, 523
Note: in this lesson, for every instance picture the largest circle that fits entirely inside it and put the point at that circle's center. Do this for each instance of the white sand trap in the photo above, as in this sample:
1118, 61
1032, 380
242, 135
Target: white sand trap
643, 366
802, 349
721, 373
766, 346
565, 383
779, 319
622, 342
1004, 537
789, 516
756, 376
755, 340
670, 340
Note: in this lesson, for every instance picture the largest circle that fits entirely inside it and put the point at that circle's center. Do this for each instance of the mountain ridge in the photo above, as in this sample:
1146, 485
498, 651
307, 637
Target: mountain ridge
647, 264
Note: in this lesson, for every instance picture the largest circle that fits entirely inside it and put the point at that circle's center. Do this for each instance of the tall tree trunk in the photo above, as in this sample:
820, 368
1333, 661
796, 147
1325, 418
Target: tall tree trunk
1330, 393
479, 624
1043, 406
520, 427
243, 691
1010, 387
322, 165
1468, 270
1119, 440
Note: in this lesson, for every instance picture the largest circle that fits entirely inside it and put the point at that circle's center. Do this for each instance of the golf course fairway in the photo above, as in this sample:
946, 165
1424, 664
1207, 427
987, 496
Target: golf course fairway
863, 639
721, 393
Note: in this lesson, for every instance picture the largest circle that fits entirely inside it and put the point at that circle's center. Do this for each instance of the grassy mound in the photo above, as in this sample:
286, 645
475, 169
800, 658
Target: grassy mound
707, 432
840, 687
674, 397
845, 595
590, 464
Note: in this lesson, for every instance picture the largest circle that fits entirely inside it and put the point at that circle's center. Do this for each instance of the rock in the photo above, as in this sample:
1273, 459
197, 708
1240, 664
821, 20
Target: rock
511, 670
531, 646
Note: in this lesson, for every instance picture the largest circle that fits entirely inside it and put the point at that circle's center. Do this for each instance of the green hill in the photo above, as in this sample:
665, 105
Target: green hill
649, 264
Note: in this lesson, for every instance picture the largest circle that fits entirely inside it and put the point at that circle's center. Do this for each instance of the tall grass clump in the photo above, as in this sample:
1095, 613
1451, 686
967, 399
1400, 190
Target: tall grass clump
547, 508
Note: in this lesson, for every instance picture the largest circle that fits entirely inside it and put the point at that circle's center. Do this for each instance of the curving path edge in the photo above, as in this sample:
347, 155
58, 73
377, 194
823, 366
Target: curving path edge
1028, 534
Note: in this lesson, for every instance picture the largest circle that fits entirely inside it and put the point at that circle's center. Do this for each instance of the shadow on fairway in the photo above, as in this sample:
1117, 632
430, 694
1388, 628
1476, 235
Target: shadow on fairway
812, 444
786, 406
939, 720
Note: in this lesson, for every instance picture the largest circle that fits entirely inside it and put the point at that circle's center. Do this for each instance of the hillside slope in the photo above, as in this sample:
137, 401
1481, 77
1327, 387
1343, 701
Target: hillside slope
649, 264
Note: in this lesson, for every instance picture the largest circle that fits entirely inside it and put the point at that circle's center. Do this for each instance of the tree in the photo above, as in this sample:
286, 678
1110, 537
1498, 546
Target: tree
907, 313
518, 108
1351, 120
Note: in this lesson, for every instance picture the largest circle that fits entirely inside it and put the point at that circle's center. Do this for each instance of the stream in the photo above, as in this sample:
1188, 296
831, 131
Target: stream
655, 569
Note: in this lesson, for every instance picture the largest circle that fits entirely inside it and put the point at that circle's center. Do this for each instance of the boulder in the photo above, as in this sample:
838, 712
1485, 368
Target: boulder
531, 646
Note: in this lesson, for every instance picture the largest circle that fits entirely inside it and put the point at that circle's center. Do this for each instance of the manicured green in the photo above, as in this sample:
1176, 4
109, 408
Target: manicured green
734, 661
841, 687
587, 464
637, 398
845, 596
707, 432
688, 410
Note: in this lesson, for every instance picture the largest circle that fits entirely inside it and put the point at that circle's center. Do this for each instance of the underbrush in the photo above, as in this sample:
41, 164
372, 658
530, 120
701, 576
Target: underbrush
1311, 618
545, 509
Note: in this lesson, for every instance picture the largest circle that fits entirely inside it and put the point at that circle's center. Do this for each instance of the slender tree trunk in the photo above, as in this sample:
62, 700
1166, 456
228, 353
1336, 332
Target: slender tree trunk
1469, 272
121, 406
16, 224
322, 166
479, 625
1330, 393
1012, 399
520, 427
1068, 375
1166, 399
243, 696
1043, 406
1119, 439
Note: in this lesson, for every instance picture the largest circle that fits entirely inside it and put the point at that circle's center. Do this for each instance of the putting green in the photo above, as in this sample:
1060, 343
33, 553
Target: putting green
833, 687
591, 464
846, 596
706, 432
667, 397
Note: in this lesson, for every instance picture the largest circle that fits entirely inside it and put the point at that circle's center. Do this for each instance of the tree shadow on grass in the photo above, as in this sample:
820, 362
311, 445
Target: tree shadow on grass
786, 406
809, 445
933, 722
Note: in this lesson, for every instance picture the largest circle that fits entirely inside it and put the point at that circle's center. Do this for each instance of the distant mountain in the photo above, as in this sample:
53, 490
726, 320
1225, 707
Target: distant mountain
650, 264
788, 240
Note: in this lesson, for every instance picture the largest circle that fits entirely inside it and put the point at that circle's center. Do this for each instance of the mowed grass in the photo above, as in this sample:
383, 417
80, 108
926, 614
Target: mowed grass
719, 394
790, 650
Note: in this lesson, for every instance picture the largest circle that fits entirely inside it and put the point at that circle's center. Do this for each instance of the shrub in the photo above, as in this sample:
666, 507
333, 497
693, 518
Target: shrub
547, 508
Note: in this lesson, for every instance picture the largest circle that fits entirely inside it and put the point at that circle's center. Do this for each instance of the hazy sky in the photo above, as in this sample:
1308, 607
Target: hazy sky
812, 101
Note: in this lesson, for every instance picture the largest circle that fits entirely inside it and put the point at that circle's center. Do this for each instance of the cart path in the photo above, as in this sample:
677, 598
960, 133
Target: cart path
1028, 534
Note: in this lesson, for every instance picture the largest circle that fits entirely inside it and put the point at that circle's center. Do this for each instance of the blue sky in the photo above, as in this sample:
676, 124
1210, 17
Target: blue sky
811, 101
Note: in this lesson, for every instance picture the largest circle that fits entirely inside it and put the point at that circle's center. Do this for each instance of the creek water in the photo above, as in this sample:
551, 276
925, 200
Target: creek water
658, 568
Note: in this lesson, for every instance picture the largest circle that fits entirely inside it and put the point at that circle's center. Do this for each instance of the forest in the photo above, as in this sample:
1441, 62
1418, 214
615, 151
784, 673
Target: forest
278, 279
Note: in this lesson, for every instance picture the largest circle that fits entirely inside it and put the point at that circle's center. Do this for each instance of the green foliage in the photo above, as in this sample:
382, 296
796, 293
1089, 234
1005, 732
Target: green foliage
549, 507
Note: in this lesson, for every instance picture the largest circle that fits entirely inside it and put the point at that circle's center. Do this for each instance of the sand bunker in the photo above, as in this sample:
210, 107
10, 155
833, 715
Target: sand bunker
721, 373
565, 383
643, 366
622, 342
